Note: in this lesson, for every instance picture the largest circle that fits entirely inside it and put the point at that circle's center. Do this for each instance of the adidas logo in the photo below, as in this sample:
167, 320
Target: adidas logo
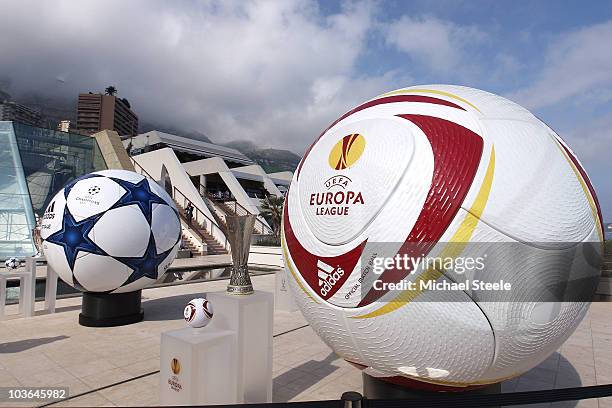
328, 276
49, 214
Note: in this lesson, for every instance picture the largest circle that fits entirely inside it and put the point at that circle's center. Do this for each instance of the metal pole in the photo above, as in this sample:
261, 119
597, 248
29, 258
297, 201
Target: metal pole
352, 399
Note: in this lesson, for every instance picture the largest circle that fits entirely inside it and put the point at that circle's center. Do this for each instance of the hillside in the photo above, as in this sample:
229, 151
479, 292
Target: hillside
189, 134
272, 160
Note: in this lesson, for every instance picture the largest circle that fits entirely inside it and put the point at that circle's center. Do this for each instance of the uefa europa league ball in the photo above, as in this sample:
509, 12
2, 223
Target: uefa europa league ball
12, 263
445, 173
111, 231
198, 313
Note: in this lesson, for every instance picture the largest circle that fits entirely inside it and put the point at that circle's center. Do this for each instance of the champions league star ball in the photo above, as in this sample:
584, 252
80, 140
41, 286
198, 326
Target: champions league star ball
12, 263
198, 313
444, 172
111, 231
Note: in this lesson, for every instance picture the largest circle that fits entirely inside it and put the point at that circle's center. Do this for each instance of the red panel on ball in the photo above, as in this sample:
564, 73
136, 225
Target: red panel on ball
310, 268
381, 101
457, 152
586, 179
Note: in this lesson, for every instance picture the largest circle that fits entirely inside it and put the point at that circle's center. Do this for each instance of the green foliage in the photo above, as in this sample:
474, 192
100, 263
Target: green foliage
110, 90
272, 209
267, 240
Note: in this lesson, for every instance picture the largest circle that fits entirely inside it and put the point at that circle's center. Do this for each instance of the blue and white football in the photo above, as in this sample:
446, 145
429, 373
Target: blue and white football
12, 263
111, 231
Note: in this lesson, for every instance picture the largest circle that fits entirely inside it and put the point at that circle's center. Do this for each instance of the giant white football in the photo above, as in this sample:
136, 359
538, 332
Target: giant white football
12, 263
449, 173
111, 231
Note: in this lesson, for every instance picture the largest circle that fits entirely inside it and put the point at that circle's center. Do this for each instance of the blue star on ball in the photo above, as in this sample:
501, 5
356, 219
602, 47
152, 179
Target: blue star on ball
140, 194
73, 238
145, 265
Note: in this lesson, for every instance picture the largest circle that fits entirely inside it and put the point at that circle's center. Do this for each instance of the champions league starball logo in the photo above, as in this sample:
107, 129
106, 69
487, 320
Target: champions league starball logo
93, 190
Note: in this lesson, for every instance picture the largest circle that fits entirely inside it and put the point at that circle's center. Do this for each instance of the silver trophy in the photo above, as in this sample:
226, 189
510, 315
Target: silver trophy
36, 238
239, 231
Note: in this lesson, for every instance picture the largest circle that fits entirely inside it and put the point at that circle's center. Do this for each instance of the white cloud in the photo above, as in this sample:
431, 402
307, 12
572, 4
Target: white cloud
276, 72
576, 63
592, 141
442, 45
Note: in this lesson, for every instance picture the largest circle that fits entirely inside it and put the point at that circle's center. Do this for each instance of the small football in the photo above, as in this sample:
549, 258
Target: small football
198, 313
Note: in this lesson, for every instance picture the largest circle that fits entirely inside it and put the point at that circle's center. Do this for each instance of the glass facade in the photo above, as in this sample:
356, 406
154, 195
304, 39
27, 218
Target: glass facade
35, 164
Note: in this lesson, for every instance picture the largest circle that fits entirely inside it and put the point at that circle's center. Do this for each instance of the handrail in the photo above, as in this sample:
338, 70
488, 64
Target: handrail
141, 169
198, 215
264, 228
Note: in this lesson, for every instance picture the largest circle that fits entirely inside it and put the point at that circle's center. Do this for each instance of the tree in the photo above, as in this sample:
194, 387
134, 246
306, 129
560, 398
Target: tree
272, 208
110, 90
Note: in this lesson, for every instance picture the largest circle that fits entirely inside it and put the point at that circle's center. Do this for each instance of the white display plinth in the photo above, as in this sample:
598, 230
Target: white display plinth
50, 290
26, 293
30, 266
50, 283
198, 367
251, 317
283, 299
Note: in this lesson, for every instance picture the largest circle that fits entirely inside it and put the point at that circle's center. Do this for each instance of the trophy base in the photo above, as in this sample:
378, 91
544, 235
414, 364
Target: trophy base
240, 289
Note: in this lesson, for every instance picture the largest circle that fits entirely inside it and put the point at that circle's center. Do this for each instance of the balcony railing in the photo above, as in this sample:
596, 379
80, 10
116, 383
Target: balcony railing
237, 208
199, 217
182, 200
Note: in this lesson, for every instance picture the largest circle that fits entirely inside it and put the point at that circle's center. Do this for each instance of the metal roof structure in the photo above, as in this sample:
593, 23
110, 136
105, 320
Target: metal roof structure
184, 144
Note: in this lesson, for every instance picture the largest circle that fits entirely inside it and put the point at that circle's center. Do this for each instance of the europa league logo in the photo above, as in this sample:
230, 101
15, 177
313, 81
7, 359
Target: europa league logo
346, 151
175, 366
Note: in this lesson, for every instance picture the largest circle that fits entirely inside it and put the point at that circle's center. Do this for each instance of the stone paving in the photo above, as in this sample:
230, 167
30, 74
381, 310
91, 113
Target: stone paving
53, 350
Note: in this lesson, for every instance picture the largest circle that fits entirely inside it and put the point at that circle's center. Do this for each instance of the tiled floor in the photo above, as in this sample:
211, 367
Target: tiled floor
54, 350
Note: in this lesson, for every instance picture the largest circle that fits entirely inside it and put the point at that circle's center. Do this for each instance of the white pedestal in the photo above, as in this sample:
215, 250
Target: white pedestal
30, 266
198, 367
50, 290
50, 284
283, 299
2, 296
251, 317
26, 301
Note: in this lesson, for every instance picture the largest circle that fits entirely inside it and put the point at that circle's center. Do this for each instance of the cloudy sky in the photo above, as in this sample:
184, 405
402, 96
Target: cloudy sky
277, 72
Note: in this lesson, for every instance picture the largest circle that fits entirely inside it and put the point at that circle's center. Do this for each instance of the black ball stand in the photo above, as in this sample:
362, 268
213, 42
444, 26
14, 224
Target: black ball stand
111, 309
375, 388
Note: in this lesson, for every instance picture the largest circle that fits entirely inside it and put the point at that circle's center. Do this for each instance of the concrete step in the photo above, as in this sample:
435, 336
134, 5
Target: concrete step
214, 247
605, 286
